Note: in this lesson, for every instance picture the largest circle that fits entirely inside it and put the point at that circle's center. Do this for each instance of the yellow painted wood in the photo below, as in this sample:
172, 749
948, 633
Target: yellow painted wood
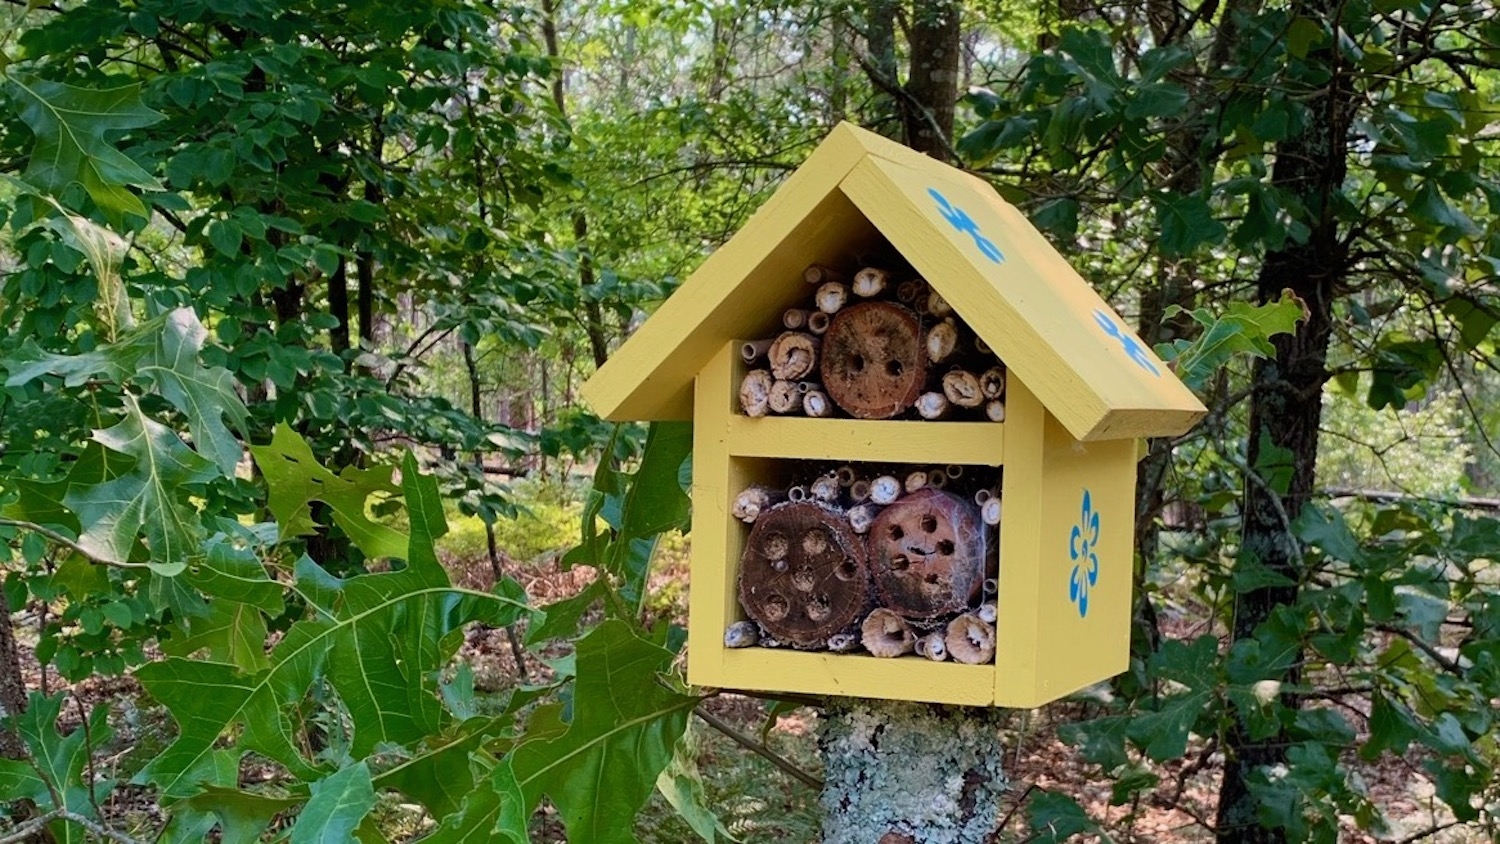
740, 290
1018, 621
1075, 650
1049, 326
717, 537
903, 678
902, 441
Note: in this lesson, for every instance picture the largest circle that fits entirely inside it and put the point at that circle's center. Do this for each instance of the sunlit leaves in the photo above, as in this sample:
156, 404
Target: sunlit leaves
72, 127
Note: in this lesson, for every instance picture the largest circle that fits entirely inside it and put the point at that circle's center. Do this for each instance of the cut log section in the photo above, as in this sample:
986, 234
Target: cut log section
793, 355
970, 640
803, 575
926, 555
886, 634
815, 403
874, 362
755, 392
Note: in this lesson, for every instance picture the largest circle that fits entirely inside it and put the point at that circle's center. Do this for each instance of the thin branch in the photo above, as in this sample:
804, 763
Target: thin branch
60, 539
758, 749
1449, 665
36, 824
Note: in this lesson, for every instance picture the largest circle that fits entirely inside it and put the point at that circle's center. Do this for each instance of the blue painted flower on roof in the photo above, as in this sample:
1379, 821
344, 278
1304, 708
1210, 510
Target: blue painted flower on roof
1131, 346
959, 219
1082, 549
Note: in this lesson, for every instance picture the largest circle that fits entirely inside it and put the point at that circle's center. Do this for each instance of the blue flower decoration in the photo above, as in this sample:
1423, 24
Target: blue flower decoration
1082, 545
1131, 346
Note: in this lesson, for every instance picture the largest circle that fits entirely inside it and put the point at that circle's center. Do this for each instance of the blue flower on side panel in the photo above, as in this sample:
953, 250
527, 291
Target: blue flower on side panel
1082, 549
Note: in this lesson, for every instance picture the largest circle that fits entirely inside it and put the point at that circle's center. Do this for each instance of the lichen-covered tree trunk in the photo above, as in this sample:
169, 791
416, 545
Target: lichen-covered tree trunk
910, 773
1286, 406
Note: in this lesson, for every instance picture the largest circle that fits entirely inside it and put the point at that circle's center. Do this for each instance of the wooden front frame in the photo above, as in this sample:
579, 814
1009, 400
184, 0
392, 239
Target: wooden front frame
1045, 647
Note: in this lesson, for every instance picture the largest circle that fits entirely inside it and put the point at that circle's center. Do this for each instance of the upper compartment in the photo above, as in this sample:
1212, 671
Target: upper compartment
856, 192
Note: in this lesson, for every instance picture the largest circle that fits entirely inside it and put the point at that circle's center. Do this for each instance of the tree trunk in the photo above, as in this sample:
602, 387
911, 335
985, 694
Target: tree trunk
911, 773
932, 79
338, 308
12, 685
1286, 406
880, 36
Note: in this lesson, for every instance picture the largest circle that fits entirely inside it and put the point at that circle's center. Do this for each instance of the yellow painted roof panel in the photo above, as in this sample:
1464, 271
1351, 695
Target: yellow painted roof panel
1002, 276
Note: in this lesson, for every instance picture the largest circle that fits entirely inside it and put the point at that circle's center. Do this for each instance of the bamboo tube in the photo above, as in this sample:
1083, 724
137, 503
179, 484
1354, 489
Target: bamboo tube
992, 382
815, 403
793, 355
754, 350
741, 634
908, 292
755, 392
932, 405
754, 500
961, 388
842, 643
870, 282
846, 476
818, 322
794, 318
818, 274
862, 516
989, 512
784, 397
987, 612
982, 347
932, 646
825, 488
937, 305
885, 634
885, 490
832, 297
937, 479
942, 340
954, 470
970, 640
915, 481
994, 410
859, 491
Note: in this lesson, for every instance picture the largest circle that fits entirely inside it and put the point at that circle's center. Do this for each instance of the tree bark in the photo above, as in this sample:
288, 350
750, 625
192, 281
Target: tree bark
932, 78
910, 772
12, 686
1286, 406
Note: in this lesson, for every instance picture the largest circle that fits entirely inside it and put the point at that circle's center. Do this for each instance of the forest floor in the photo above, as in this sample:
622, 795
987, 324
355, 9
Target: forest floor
759, 803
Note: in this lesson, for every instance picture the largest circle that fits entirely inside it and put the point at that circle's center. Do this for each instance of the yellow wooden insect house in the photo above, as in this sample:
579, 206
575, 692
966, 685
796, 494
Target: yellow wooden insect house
915, 436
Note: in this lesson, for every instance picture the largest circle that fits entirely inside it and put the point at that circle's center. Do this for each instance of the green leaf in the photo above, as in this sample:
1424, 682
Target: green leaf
1056, 817
1392, 727
296, 479
439, 775
378, 639
1240, 329
231, 632
205, 395
682, 787
624, 730
57, 779
1187, 222
71, 125
338, 805
1302, 34
1163, 732
150, 500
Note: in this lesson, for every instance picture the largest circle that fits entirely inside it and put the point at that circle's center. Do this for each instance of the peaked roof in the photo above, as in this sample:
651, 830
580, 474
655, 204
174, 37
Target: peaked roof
1084, 362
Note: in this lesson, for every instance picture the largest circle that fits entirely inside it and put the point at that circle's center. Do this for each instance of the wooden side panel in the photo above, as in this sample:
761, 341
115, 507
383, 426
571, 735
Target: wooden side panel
1018, 293
716, 536
739, 291
1084, 563
1018, 615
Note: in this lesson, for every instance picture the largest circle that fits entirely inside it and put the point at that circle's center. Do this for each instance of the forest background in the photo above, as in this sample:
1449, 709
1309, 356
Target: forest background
262, 254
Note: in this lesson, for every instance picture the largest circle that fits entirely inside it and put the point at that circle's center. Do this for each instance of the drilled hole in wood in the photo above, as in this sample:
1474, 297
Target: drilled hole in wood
945, 547
932, 578
804, 581
819, 608
894, 368
775, 607
815, 542
895, 532
928, 523
846, 571
774, 547
857, 363
899, 562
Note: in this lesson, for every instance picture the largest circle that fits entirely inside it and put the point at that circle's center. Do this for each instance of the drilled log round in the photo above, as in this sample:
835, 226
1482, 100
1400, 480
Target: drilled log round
803, 575
927, 554
873, 360
793, 355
